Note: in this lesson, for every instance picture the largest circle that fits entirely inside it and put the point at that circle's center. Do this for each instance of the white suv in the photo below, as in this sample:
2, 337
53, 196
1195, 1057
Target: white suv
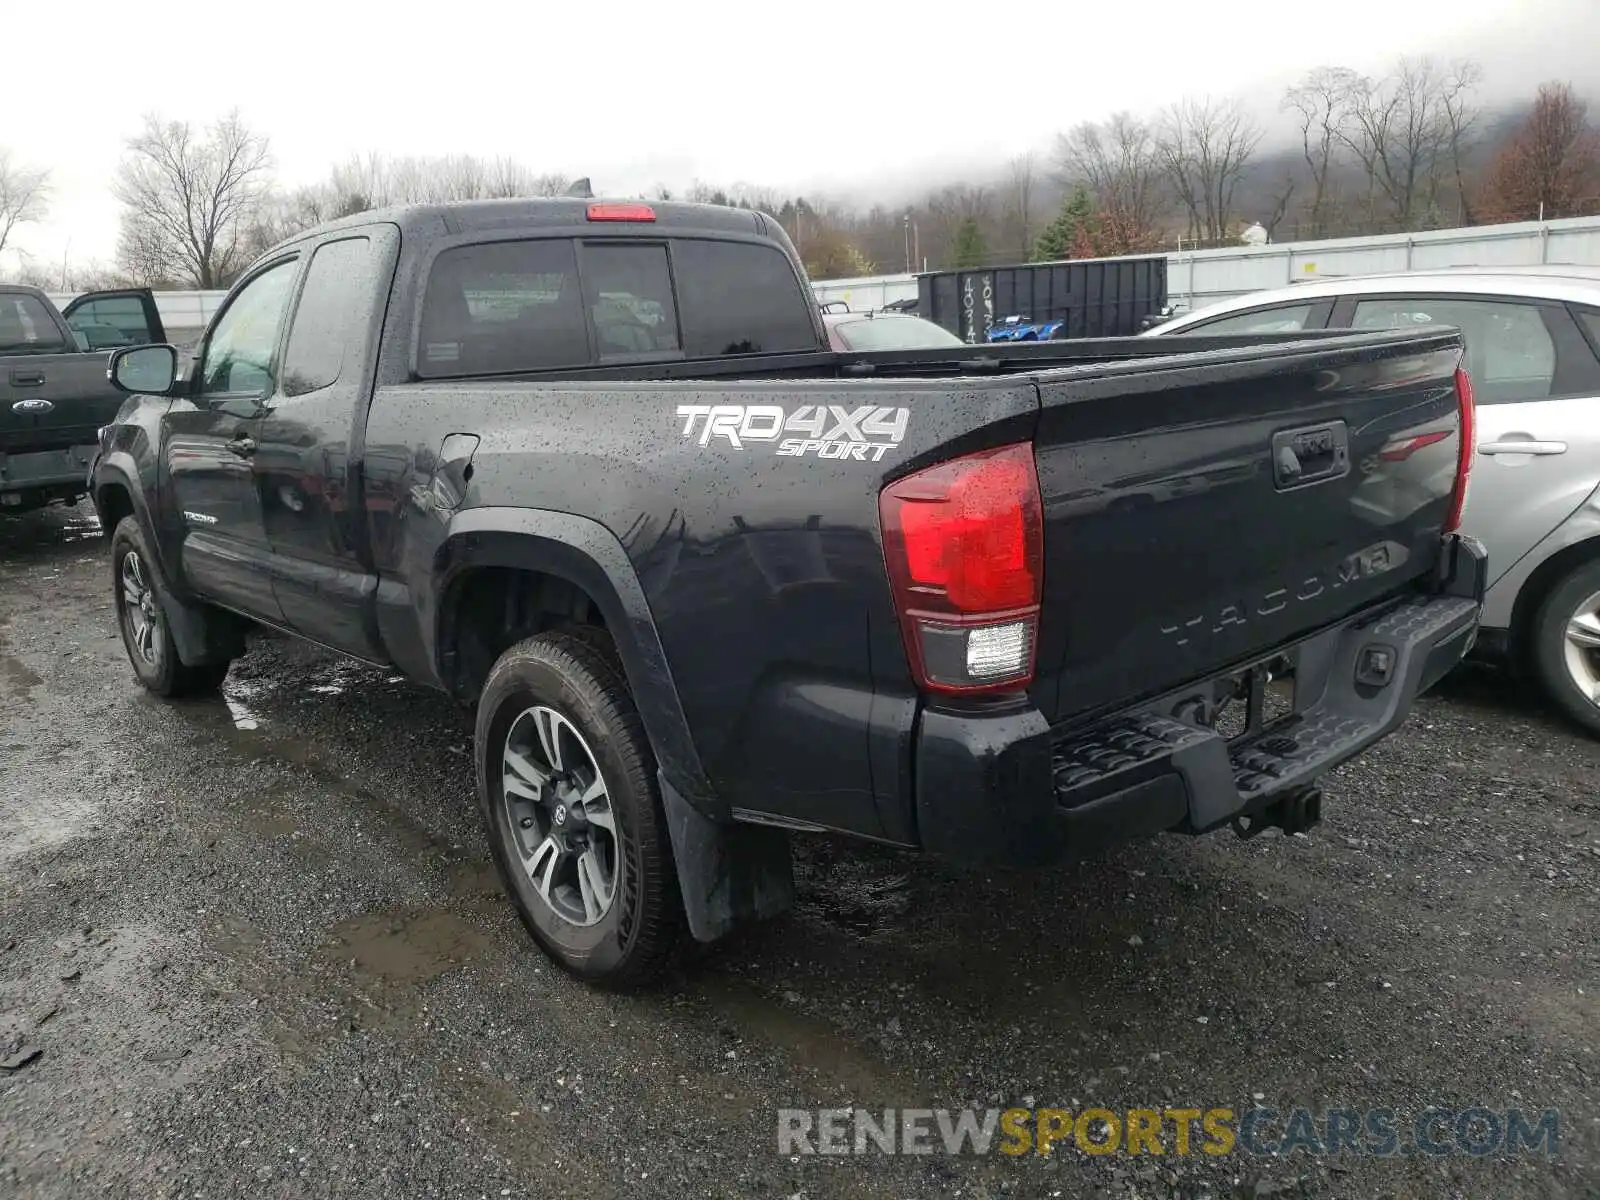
1533, 354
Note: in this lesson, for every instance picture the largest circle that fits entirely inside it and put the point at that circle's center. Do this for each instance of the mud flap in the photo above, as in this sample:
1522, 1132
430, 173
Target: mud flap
201, 634
729, 874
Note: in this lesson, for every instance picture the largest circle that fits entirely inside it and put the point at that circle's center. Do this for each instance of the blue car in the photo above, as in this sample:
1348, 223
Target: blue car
1022, 329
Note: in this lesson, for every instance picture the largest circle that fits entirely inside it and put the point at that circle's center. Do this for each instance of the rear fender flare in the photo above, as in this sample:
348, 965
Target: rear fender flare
588, 555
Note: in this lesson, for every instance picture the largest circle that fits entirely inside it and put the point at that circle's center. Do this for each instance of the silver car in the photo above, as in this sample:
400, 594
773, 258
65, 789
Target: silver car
1533, 354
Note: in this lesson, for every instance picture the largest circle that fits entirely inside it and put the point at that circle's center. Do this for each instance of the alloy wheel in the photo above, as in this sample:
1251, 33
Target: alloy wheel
1582, 648
139, 609
558, 810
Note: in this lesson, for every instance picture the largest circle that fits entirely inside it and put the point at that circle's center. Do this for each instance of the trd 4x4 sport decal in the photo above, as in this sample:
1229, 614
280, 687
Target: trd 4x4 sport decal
865, 434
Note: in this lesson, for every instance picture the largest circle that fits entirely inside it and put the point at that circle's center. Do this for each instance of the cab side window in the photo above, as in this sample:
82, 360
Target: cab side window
334, 304
240, 355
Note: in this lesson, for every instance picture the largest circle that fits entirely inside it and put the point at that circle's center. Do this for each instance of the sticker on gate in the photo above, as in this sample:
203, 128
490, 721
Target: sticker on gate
863, 434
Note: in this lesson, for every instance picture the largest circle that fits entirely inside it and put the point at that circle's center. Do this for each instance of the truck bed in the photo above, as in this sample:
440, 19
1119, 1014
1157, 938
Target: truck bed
1171, 551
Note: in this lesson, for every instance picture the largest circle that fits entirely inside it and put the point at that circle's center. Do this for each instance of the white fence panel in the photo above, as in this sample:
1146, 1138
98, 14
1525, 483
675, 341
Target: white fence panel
1196, 278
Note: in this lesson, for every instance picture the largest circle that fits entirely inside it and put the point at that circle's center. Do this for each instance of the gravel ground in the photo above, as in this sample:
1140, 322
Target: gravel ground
261, 951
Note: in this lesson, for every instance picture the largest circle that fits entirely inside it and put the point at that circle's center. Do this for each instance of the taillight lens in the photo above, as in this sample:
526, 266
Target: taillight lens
963, 541
1469, 447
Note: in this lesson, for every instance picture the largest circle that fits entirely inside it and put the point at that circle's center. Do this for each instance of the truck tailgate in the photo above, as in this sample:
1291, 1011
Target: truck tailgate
51, 401
1201, 511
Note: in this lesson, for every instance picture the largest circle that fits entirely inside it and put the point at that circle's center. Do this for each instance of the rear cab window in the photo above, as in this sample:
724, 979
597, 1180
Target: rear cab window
563, 302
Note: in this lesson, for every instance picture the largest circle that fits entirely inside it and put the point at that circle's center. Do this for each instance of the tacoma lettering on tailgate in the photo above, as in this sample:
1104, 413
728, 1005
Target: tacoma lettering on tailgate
1363, 564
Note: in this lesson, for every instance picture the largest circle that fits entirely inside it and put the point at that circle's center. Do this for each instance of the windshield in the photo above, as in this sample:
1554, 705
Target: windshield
894, 333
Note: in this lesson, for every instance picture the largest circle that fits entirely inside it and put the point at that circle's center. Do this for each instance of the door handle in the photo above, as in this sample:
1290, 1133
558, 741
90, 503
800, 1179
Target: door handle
1522, 446
243, 446
27, 378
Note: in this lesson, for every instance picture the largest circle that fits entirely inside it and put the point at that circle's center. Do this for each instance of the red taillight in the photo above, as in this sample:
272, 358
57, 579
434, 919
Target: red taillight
963, 541
1469, 447
621, 212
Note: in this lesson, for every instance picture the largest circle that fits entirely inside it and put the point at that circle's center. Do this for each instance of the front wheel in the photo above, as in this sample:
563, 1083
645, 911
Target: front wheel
143, 622
1566, 645
567, 788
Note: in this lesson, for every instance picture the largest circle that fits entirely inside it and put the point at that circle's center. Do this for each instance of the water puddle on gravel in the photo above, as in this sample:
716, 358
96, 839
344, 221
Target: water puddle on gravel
81, 529
236, 695
338, 679
406, 947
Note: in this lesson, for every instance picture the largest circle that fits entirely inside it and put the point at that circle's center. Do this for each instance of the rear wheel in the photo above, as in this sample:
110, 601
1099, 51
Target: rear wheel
143, 622
566, 784
1566, 649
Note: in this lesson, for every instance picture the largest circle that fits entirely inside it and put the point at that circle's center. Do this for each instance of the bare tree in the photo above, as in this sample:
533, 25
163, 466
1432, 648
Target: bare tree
1017, 207
1461, 121
1118, 161
948, 210
1204, 147
1551, 165
1401, 130
1281, 198
1322, 104
377, 180
24, 195
189, 197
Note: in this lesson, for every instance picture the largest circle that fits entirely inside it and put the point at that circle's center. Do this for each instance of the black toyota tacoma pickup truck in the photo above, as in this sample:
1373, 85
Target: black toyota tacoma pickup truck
590, 467
54, 394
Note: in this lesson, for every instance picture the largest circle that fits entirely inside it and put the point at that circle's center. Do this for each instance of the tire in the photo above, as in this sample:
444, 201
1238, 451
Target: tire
582, 848
1567, 668
141, 619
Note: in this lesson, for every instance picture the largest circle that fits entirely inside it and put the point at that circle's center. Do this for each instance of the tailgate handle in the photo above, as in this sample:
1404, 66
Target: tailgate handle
1310, 454
27, 378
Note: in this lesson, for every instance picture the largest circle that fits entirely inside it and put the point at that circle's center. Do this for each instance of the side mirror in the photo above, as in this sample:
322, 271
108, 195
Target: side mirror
146, 370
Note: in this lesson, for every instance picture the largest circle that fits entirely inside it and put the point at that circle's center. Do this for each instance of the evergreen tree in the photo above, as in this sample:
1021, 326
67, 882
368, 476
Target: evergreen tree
970, 250
1072, 228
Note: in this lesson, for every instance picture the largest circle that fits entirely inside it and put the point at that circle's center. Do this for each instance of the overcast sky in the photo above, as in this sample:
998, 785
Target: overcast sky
857, 96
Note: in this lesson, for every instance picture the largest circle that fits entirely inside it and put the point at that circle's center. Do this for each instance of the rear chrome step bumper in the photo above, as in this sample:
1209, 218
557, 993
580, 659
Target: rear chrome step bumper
1007, 789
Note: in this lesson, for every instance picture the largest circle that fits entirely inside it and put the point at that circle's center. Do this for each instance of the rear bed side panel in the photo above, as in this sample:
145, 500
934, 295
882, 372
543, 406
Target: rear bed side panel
763, 570
1172, 546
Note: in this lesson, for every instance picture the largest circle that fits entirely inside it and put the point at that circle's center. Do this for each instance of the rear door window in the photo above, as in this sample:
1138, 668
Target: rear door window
1510, 354
740, 298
